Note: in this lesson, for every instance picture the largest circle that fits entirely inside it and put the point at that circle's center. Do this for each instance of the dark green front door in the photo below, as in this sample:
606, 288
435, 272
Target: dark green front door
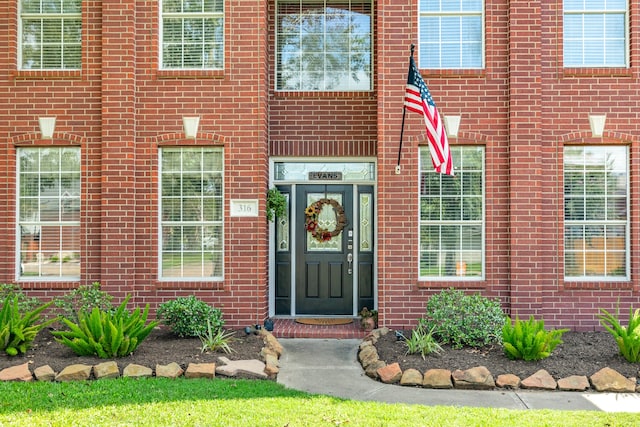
324, 261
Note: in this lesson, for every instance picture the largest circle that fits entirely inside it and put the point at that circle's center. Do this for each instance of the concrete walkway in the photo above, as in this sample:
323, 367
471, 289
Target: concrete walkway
329, 366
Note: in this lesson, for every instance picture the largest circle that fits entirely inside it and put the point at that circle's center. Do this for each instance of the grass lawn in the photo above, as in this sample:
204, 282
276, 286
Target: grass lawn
227, 402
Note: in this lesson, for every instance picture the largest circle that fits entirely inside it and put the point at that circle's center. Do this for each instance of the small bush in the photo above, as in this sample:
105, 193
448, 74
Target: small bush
17, 330
214, 340
529, 340
106, 334
25, 303
188, 316
464, 320
422, 341
84, 299
627, 337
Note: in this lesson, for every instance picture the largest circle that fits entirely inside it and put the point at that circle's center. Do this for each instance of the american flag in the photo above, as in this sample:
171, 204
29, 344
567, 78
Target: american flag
418, 99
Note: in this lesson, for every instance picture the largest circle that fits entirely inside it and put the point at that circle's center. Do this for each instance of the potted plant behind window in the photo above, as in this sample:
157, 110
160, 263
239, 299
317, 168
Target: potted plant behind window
368, 319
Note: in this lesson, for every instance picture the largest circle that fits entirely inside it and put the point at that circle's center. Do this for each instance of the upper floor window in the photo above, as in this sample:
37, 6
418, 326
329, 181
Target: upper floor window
451, 34
191, 206
595, 33
48, 213
192, 34
452, 216
324, 45
596, 219
50, 34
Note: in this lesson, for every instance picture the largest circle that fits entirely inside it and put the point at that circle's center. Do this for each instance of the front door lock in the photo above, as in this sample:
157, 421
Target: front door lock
349, 260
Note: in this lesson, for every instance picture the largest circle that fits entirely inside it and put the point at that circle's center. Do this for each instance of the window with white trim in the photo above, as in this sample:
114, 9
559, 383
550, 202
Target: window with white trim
324, 45
595, 33
191, 209
451, 34
48, 213
452, 216
596, 219
50, 34
192, 34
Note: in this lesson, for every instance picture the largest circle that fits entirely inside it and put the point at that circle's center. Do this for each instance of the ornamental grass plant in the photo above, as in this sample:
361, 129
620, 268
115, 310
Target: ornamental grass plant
627, 337
106, 334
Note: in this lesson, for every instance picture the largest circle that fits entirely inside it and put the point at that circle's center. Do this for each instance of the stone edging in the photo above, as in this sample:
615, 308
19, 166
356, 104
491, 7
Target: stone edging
267, 368
479, 378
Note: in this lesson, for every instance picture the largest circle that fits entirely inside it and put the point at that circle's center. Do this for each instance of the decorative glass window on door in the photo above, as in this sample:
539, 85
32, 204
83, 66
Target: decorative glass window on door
324, 222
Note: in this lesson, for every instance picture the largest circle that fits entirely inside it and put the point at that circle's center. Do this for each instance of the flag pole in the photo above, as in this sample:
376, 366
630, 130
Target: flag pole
404, 113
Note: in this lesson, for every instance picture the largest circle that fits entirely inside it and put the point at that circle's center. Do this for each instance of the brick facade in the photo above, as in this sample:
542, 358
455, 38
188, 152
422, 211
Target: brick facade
523, 107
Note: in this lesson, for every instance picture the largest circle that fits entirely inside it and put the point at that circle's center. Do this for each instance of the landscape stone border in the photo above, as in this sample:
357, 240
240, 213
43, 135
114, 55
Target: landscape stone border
479, 378
267, 368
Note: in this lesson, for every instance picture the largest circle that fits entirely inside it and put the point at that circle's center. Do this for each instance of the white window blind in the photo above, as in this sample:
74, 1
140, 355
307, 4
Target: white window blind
452, 217
50, 34
451, 34
192, 33
595, 33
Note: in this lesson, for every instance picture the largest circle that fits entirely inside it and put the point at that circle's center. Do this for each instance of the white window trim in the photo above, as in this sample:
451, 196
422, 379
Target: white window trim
627, 53
162, 278
482, 15
483, 224
22, 16
627, 224
18, 237
372, 54
187, 15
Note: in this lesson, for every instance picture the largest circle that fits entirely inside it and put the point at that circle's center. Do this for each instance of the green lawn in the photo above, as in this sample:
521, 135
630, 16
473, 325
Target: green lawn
227, 402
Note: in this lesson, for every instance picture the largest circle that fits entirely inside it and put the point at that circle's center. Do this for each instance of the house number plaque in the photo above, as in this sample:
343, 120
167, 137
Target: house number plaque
244, 207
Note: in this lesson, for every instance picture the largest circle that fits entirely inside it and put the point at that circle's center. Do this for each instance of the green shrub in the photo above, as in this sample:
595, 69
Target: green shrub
106, 334
17, 330
464, 320
627, 337
214, 340
422, 341
529, 340
25, 303
188, 316
84, 299
276, 204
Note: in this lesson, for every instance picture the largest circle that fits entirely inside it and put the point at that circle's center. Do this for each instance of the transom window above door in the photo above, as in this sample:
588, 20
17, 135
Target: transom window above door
324, 45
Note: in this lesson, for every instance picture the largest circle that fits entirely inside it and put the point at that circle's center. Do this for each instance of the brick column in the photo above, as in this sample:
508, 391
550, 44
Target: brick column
118, 193
525, 155
396, 199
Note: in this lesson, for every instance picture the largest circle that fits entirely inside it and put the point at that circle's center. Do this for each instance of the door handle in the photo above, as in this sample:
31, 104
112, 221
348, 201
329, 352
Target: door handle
349, 260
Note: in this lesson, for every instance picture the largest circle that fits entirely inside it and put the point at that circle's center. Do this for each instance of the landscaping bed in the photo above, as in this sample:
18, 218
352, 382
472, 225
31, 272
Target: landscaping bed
580, 354
161, 347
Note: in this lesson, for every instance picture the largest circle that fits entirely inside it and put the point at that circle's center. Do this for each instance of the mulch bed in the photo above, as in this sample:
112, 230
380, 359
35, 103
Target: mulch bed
581, 353
161, 347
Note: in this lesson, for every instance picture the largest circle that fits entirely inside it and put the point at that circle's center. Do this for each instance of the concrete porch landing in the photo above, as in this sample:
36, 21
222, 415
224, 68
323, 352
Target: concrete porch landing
289, 328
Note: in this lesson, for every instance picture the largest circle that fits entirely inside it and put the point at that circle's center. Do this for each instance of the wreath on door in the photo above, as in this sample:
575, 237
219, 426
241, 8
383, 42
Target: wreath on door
311, 224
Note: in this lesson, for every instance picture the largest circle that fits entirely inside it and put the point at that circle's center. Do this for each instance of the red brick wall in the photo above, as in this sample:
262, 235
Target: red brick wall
523, 107
480, 97
120, 109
